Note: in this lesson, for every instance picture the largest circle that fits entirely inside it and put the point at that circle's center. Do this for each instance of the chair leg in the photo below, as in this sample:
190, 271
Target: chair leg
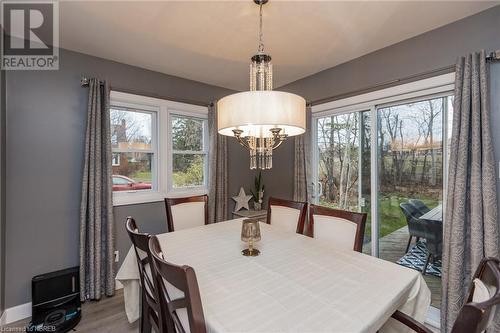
145, 323
409, 242
146, 326
426, 264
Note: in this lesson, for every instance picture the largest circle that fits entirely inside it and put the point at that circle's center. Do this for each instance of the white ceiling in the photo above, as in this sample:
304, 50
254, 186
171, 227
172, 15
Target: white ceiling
212, 42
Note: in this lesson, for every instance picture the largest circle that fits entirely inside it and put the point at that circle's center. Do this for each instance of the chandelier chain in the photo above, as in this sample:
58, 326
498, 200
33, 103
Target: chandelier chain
261, 34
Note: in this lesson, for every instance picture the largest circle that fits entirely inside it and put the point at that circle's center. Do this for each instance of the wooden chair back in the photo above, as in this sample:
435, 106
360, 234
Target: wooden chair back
177, 290
344, 220
150, 306
184, 220
301, 207
476, 317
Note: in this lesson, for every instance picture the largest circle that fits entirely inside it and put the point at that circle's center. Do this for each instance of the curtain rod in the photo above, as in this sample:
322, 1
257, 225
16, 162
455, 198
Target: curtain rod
84, 82
387, 84
491, 57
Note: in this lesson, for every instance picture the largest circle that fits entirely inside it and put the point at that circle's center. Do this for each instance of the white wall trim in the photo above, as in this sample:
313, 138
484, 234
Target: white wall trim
410, 90
155, 104
16, 313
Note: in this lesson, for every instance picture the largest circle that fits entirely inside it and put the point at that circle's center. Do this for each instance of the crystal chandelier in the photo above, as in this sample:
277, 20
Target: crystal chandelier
261, 119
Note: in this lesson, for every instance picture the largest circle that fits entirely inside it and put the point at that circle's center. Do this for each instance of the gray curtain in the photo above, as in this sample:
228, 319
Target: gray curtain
217, 181
302, 180
96, 208
471, 225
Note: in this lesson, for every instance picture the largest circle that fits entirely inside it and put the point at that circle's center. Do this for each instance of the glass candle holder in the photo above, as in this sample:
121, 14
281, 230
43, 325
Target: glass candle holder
250, 232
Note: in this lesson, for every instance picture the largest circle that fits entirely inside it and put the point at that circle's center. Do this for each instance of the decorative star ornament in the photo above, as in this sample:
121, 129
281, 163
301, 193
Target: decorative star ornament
241, 200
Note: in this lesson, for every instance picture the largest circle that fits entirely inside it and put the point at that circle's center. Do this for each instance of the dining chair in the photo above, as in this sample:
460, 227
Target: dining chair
178, 293
287, 214
478, 312
344, 228
188, 212
149, 306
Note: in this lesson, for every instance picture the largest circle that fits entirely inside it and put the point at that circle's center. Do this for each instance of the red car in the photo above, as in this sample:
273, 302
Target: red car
122, 183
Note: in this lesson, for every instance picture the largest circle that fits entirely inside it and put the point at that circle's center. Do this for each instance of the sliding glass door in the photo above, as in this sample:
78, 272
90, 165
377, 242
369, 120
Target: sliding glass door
343, 162
411, 155
390, 161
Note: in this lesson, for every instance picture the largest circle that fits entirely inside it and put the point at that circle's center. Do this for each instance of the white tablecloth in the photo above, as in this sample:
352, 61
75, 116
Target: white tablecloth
297, 284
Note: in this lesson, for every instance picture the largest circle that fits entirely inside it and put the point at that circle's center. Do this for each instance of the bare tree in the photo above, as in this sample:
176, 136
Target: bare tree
338, 140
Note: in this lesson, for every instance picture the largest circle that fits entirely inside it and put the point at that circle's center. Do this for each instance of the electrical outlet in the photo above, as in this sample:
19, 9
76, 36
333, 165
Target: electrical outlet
117, 256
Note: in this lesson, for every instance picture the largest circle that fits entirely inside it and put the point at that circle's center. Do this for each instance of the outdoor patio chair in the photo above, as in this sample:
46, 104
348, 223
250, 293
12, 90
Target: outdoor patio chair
419, 204
415, 228
431, 231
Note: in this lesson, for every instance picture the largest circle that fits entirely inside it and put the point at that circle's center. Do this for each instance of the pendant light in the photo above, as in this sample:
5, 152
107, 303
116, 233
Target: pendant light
261, 119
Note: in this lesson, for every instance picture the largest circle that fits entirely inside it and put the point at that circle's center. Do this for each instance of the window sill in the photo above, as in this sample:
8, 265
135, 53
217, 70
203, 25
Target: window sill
123, 199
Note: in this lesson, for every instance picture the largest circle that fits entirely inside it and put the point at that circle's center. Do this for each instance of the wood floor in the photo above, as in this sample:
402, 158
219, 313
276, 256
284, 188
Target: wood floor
392, 247
106, 316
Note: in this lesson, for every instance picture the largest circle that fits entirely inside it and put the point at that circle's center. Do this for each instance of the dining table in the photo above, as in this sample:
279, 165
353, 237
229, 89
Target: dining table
435, 214
296, 284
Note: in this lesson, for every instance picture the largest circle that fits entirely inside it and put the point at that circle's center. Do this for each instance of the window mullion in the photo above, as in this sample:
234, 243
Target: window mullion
124, 151
189, 152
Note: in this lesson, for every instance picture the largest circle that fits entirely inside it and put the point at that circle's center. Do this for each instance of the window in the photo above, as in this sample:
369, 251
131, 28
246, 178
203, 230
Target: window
115, 159
188, 151
133, 146
159, 148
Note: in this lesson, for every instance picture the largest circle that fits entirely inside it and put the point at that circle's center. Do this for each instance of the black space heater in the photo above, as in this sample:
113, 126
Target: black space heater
56, 303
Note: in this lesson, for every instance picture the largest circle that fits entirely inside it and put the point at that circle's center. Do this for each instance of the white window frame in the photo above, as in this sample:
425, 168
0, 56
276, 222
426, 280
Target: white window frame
372, 101
162, 146
194, 189
113, 159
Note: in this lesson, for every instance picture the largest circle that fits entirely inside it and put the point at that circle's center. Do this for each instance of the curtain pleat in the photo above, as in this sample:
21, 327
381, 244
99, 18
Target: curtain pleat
96, 208
217, 182
302, 180
471, 230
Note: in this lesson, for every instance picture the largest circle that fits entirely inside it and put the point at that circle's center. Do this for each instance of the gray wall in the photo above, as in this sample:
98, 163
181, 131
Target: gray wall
436, 49
46, 116
432, 50
278, 180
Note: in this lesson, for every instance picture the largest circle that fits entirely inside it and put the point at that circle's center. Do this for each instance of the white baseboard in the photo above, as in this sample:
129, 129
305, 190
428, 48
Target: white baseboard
16, 313
23, 311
